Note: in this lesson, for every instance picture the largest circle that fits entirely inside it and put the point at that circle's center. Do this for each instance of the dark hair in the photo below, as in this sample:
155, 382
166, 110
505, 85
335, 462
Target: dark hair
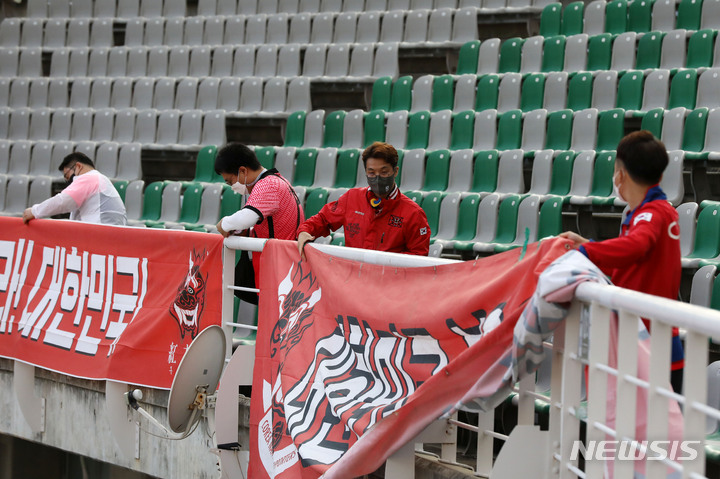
381, 151
77, 157
644, 157
234, 155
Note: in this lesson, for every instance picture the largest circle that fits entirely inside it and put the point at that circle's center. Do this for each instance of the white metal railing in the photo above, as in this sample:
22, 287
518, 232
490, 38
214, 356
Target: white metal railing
572, 353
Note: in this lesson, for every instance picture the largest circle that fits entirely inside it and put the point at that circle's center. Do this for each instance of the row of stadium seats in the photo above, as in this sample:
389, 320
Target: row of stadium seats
249, 7
582, 52
359, 62
587, 129
438, 27
126, 9
620, 16
56, 32
105, 8
275, 97
631, 91
164, 129
579, 177
42, 158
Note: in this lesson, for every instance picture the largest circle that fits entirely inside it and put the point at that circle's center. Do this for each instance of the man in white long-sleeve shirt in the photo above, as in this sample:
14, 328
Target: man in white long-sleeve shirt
90, 196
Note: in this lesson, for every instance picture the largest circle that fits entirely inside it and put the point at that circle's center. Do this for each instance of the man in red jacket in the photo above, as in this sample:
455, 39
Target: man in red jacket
646, 255
376, 217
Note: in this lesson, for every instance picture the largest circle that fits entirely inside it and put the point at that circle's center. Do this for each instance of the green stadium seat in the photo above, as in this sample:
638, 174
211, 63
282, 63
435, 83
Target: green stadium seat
572, 19
461, 136
649, 50
688, 14
346, 168
683, 90
333, 134
640, 16
616, 16
418, 130
602, 187
190, 208
506, 224
580, 91
468, 58
152, 201
487, 92
550, 20
437, 166
266, 156
443, 93
630, 91
295, 129
229, 203
486, 224
599, 52
467, 217
305, 159
707, 234
205, 165
510, 55
533, 92
485, 172
509, 130
401, 98
526, 224
652, 121
120, 186
416, 196
694, 134
553, 54
550, 218
559, 130
381, 94
611, 129
431, 205
374, 127
561, 178
338, 239
314, 201
700, 49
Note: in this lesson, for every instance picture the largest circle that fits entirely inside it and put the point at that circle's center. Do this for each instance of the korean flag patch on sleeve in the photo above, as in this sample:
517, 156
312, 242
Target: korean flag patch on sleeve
642, 217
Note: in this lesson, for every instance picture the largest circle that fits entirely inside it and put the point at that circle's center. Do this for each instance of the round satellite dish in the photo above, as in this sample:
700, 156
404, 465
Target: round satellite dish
202, 365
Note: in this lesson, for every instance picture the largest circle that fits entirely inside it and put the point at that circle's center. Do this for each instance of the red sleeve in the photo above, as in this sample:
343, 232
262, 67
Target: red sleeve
417, 235
626, 250
330, 218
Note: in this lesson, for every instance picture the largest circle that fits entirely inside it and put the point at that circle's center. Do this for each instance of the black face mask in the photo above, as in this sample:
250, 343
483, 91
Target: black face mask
70, 179
381, 185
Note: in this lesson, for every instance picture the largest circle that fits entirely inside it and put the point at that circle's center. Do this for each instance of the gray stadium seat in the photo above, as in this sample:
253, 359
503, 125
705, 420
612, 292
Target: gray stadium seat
124, 128
129, 165
288, 63
16, 195
229, 94
213, 132
133, 199
41, 158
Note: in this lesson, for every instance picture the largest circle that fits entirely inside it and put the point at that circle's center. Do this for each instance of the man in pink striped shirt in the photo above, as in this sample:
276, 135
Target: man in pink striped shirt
89, 197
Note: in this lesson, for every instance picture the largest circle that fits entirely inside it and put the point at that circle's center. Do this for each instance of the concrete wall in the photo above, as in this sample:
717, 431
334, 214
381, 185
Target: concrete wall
76, 422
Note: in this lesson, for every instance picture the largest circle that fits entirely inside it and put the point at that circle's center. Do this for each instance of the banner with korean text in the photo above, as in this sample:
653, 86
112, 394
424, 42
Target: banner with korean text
106, 302
343, 347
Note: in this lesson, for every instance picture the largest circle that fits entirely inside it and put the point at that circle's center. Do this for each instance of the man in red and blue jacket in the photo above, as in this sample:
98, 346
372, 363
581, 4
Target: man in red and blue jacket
646, 255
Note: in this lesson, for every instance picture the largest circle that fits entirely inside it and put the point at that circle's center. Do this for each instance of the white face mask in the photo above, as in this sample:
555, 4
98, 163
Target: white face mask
616, 189
240, 188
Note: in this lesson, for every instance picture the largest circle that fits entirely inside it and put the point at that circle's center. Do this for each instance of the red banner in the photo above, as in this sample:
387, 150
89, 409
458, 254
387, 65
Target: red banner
344, 347
105, 302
